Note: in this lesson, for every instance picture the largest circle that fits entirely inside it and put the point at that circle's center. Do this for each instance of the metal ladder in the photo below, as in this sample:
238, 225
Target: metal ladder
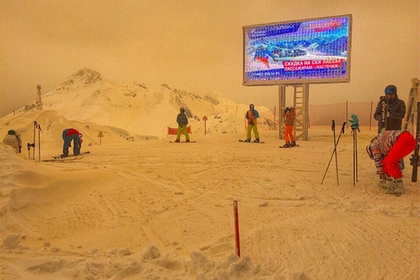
301, 103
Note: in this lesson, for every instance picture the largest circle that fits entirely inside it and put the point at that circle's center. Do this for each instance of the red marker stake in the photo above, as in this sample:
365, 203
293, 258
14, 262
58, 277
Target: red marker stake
235, 213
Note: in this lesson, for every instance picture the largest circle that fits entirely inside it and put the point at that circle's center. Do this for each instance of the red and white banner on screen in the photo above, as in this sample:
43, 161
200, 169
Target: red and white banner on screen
312, 64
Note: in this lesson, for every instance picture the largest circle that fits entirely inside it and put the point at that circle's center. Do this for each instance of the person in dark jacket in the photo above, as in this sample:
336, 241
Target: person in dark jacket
71, 134
182, 121
395, 110
13, 139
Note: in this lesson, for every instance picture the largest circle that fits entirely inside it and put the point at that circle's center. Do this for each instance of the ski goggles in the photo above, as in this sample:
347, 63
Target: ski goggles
390, 91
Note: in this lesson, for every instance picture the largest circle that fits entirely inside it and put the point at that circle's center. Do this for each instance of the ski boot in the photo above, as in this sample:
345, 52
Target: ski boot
64, 155
293, 144
177, 140
396, 188
385, 182
248, 140
287, 145
188, 140
257, 140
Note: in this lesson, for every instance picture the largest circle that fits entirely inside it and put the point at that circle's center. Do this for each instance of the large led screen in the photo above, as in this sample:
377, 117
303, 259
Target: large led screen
296, 52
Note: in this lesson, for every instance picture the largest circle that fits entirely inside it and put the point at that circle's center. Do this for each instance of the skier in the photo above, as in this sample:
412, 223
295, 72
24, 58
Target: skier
386, 149
13, 139
395, 110
290, 116
262, 54
182, 121
252, 116
71, 134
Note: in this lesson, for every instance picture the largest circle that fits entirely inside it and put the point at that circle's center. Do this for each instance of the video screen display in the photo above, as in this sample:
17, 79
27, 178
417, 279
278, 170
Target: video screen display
296, 52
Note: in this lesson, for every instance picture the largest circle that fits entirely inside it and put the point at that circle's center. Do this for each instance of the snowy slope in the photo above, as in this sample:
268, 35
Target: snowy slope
87, 97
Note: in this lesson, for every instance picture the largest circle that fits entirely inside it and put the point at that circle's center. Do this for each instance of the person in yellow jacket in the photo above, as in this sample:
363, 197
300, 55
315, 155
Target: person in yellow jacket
252, 116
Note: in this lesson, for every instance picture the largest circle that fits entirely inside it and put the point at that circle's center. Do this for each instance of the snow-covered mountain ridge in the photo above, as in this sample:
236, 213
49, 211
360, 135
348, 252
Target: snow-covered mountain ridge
88, 99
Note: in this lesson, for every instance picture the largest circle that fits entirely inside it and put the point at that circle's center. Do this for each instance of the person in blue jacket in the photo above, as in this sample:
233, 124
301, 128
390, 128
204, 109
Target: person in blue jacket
252, 116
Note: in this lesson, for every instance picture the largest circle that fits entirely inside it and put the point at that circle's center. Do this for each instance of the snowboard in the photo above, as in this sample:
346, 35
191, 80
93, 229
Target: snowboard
252, 142
384, 108
182, 142
415, 158
66, 159
72, 156
282, 147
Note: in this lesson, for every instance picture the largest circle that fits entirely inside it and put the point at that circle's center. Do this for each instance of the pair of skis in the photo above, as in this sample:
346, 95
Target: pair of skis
33, 145
384, 113
66, 159
415, 158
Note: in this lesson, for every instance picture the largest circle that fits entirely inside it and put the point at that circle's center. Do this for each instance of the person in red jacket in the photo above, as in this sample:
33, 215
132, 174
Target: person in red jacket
387, 149
71, 134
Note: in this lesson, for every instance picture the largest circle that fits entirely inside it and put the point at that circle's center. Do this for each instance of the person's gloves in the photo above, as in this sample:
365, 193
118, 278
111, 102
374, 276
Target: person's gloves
287, 110
251, 122
20, 149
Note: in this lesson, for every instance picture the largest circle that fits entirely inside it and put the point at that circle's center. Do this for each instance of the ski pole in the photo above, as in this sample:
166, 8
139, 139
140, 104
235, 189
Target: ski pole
33, 154
354, 129
335, 143
354, 157
39, 141
335, 150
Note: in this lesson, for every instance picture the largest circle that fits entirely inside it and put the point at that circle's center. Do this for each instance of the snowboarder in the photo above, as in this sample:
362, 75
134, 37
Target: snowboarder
387, 149
290, 116
395, 110
13, 139
182, 121
252, 116
71, 134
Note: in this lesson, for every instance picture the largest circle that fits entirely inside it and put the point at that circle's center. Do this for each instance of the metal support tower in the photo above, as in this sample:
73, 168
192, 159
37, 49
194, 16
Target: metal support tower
38, 99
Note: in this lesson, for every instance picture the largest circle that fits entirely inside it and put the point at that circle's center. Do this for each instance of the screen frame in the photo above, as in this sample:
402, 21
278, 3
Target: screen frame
300, 80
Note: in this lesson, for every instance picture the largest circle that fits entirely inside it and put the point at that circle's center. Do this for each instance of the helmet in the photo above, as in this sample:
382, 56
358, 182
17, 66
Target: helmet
391, 89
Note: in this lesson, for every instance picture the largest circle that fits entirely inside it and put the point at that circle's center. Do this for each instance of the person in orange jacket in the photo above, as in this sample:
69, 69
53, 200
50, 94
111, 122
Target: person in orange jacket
290, 116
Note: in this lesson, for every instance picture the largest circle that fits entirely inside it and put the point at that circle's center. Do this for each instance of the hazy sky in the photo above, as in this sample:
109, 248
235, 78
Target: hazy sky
193, 45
